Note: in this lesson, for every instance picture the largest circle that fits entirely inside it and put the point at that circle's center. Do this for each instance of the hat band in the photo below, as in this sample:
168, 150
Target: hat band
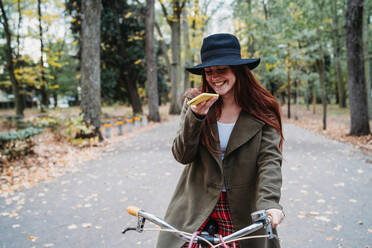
222, 52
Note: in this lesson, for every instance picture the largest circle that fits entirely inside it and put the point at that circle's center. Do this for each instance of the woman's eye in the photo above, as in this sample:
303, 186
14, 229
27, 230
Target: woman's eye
222, 70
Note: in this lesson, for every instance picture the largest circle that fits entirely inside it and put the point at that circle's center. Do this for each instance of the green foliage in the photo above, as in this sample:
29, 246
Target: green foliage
79, 133
17, 144
290, 35
63, 77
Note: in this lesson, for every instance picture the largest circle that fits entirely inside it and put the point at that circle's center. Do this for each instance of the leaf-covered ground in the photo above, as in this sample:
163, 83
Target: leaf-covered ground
338, 125
54, 157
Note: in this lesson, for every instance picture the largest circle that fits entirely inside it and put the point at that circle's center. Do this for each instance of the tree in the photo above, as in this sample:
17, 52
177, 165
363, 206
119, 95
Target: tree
10, 63
355, 66
152, 79
43, 90
174, 22
90, 63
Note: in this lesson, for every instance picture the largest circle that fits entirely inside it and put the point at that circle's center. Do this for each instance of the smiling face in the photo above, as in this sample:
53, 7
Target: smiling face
221, 79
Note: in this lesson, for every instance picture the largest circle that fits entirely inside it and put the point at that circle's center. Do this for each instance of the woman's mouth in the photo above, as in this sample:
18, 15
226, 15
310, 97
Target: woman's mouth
220, 83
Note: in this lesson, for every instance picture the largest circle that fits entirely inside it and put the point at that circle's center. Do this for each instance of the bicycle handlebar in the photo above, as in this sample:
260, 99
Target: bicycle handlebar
260, 220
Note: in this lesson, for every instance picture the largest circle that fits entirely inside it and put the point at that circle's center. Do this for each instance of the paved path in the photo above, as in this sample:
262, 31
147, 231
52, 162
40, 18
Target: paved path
326, 194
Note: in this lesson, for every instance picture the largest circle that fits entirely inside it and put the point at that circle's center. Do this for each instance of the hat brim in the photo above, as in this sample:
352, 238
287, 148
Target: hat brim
198, 69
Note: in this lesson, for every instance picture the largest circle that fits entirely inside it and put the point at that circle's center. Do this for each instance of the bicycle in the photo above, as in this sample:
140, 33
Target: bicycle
208, 238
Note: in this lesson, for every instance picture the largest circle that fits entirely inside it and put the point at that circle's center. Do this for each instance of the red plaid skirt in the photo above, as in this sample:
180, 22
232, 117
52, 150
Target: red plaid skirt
221, 214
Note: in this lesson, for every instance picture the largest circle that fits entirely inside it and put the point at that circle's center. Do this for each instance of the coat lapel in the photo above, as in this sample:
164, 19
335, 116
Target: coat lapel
245, 128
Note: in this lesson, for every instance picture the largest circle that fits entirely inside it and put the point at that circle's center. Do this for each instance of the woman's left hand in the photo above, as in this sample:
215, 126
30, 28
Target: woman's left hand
276, 215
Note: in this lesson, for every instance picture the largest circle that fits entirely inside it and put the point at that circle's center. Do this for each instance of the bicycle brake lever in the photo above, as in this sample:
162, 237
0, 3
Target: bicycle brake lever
139, 228
270, 231
262, 216
128, 229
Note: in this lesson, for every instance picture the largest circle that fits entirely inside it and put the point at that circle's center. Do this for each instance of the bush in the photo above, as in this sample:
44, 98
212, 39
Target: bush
16, 144
79, 133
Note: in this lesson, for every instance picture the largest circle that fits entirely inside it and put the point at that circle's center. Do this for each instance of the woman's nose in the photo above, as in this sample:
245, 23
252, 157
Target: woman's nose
214, 75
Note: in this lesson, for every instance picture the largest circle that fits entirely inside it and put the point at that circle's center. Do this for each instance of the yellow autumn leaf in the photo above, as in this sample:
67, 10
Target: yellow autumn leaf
28, 13
128, 15
75, 42
137, 61
32, 238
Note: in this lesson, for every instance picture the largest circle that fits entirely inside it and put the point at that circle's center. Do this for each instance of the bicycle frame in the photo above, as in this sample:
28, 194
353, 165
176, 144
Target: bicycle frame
260, 220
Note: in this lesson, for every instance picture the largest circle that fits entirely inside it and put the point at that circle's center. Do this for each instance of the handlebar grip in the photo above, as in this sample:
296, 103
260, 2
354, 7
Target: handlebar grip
133, 210
270, 217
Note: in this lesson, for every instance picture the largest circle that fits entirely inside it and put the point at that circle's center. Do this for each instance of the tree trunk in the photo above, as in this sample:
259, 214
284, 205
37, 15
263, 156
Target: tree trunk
175, 107
185, 26
289, 82
152, 77
321, 72
337, 55
355, 66
129, 82
163, 48
366, 63
55, 97
175, 25
296, 99
10, 63
44, 95
90, 63
22, 97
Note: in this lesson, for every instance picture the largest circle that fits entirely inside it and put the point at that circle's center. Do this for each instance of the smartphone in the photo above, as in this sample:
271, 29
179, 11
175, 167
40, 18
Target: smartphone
201, 98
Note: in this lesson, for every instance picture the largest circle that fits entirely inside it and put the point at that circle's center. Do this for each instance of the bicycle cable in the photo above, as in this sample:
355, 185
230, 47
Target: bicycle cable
209, 243
174, 231
243, 238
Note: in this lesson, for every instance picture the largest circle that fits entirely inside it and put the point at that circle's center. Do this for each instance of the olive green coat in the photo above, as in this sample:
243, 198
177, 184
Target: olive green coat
251, 171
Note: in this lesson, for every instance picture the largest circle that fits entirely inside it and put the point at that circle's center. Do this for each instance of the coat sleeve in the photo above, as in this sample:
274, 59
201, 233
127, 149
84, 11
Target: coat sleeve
185, 145
269, 172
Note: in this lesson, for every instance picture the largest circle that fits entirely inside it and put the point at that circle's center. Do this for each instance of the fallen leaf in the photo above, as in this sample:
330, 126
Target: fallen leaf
339, 185
322, 218
312, 213
337, 228
86, 225
71, 227
304, 192
32, 238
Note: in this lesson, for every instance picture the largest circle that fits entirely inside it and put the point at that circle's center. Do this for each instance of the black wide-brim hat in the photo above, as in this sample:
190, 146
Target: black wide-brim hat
221, 49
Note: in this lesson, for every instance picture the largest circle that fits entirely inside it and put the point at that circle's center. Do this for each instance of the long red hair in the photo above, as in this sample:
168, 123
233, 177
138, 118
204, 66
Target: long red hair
252, 97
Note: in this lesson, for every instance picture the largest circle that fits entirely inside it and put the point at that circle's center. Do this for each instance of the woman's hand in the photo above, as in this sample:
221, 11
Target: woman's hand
276, 215
203, 107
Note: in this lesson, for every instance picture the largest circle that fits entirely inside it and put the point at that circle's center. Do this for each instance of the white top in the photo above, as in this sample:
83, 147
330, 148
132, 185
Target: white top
224, 132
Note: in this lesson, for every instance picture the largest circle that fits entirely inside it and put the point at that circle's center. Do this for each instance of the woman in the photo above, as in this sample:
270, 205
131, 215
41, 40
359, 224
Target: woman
232, 147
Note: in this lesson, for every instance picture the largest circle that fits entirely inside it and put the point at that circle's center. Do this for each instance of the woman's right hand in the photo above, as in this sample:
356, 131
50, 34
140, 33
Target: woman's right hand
202, 108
